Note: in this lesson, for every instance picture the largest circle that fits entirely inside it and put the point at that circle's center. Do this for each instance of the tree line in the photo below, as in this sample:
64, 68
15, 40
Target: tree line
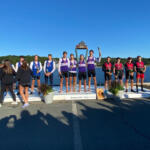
29, 58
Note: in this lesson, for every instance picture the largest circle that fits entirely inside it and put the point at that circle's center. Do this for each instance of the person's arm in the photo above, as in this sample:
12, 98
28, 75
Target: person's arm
68, 63
59, 65
16, 66
40, 67
13, 67
53, 67
31, 65
44, 68
144, 68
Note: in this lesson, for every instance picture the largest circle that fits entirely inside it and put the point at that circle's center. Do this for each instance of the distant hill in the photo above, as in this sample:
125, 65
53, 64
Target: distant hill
28, 58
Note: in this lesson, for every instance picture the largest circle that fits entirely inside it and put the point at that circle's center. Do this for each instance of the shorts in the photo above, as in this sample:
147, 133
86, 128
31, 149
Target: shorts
36, 77
82, 75
91, 73
129, 76
72, 74
140, 75
25, 85
107, 76
119, 75
64, 75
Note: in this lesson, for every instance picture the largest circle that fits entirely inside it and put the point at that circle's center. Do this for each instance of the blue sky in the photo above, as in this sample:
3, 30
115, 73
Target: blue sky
119, 27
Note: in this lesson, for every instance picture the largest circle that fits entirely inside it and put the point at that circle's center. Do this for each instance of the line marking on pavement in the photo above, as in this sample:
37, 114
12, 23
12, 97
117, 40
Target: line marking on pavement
76, 128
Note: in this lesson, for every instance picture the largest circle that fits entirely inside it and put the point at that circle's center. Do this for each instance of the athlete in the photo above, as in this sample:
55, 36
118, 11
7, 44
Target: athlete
72, 72
18, 65
129, 70
108, 69
82, 72
91, 68
49, 68
36, 68
140, 69
63, 68
118, 71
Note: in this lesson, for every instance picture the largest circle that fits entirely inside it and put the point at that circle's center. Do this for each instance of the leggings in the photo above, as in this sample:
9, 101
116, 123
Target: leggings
9, 88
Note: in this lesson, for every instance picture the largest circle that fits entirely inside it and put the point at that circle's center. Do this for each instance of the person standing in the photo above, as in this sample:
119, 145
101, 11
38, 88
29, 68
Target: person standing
91, 68
18, 65
49, 68
119, 71
82, 72
7, 77
108, 69
63, 68
72, 72
36, 68
129, 70
24, 75
140, 69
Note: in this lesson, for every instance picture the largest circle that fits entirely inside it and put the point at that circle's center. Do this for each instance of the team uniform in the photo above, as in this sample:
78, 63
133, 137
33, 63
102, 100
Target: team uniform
82, 70
18, 65
73, 68
119, 70
91, 65
140, 69
107, 68
129, 69
63, 67
36, 68
49, 67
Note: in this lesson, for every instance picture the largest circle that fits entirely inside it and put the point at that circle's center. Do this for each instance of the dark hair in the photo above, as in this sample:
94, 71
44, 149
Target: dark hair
108, 57
49, 54
91, 51
118, 58
25, 65
71, 54
64, 52
138, 57
129, 58
21, 56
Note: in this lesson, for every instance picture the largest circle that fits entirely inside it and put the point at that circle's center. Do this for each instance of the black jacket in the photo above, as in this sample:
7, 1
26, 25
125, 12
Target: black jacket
7, 79
24, 76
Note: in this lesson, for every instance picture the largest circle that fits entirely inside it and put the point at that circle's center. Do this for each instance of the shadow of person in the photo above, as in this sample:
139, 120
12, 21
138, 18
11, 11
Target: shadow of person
37, 131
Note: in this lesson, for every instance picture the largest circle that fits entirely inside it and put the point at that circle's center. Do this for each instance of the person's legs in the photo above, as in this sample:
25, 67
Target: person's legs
79, 85
70, 81
39, 84
126, 85
61, 84
51, 80
66, 84
89, 83
137, 83
142, 82
95, 82
3, 89
46, 80
74, 83
84, 85
21, 90
32, 85
26, 94
10, 88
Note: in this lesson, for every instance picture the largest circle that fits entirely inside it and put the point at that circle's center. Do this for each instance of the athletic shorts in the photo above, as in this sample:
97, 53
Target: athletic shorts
64, 75
119, 75
107, 76
140, 75
25, 85
91, 73
36, 77
129, 76
72, 74
82, 75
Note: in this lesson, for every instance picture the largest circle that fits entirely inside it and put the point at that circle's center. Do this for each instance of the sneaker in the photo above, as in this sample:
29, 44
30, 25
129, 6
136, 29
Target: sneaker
142, 90
31, 93
25, 105
14, 103
126, 90
132, 91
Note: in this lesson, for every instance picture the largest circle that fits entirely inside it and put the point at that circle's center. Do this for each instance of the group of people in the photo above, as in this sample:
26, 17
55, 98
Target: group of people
69, 69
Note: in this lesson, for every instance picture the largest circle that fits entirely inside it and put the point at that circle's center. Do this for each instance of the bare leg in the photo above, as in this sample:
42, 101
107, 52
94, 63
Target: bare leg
109, 82
61, 84
39, 84
95, 82
84, 85
32, 85
126, 84
66, 85
70, 81
106, 85
137, 84
21, 90
132, 82
79, 85
89, 82
142, 82
26, 94
74, 83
